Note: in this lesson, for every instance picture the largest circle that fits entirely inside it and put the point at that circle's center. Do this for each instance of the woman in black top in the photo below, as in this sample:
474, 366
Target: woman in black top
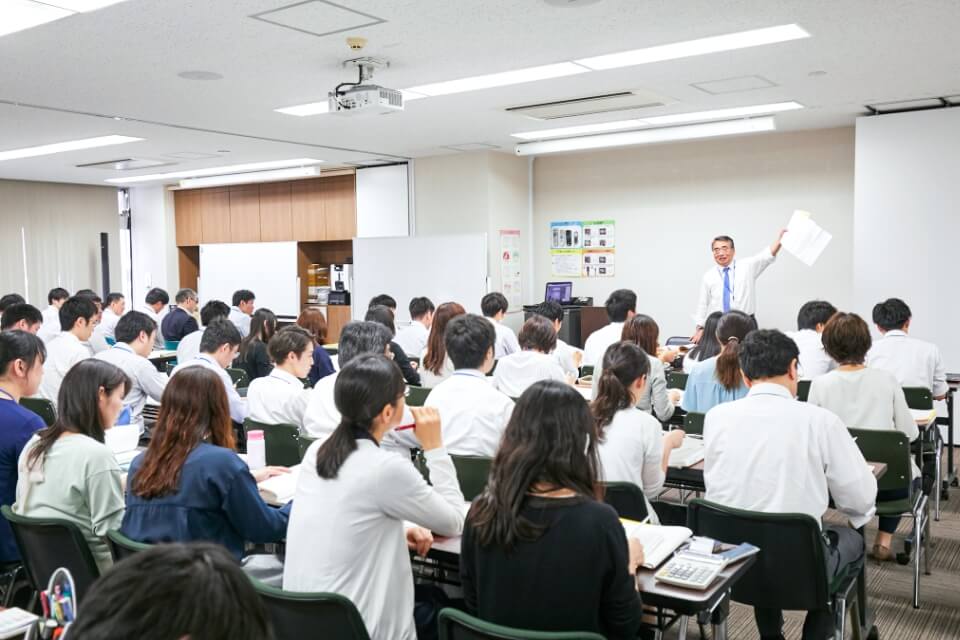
384, 315
253, 357
540, 551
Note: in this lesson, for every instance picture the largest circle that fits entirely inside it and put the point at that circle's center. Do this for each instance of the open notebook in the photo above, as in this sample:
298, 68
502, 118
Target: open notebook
658, 541
279, 490
687, 454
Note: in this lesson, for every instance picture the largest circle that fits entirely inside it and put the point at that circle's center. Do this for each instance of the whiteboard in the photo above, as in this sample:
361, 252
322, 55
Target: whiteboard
382, 200
443, 268
269, 269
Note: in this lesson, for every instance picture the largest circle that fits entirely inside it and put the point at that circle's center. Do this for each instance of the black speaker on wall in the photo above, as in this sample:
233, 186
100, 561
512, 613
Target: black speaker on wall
105, 263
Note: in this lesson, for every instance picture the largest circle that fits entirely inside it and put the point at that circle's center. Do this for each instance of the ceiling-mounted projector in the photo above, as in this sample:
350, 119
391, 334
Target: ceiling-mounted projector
363, 97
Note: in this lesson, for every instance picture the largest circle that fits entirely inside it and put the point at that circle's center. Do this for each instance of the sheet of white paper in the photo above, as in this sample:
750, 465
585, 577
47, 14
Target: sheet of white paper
805, 239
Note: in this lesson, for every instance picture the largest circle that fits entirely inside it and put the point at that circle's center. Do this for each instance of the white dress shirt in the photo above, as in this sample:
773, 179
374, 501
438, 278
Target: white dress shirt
346, 535
50, 328
278, 398
771, 453
428, 378
632, 451
598, 341
913, 362
108, 322
98, 340
473, 415
507, 342
517, 371
189, 347
63, 352
238, 406
814, 361
743, 283
321, 416
564, 355
413, 338
654, 396
240, 320
147, 381
156, 317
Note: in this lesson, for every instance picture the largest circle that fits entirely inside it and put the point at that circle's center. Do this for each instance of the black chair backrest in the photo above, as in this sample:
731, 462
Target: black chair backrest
293, 615
46, 544
891, 447
803, 390
918, 398
676, 380
42, 407
627, 498
678, 341
790, 571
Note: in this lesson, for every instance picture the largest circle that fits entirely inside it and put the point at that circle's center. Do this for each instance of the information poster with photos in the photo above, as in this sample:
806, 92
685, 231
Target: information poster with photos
583, 248
510, 268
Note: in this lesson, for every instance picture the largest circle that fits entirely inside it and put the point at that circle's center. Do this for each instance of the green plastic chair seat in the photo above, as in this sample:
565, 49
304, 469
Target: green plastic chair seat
296, 615
918, 398
457, 625
693, 423
894, 507
676, 380
472, 472
416, 396
281, 442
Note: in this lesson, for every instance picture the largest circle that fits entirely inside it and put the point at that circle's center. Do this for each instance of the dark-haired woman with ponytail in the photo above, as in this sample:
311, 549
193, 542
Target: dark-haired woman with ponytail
347, 533
633, 447
718, 379
540, 550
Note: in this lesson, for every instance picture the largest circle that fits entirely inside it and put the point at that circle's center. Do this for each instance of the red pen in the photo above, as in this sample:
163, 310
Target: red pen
405, 427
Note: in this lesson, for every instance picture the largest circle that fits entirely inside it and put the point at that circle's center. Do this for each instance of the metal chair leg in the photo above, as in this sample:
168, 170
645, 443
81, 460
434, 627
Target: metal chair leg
926, 542
682, 633
855, 619
839, 616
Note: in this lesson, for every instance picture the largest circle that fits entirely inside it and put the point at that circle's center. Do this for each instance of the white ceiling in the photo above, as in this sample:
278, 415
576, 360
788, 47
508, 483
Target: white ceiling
123, 61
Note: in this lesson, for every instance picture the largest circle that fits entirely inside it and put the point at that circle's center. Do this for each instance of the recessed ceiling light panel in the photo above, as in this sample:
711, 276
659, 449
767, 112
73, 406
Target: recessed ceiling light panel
214, 171
62, 147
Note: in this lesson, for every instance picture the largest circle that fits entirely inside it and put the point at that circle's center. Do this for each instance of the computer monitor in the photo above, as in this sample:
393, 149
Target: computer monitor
561, 292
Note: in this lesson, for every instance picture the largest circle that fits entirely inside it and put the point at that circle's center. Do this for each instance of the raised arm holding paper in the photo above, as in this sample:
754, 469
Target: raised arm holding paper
731, 283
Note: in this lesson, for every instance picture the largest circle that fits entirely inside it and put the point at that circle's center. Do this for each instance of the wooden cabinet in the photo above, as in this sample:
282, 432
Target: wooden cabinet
340, 206
187, 218
245, 214
307, 210
337, 317
276, 223
214, 205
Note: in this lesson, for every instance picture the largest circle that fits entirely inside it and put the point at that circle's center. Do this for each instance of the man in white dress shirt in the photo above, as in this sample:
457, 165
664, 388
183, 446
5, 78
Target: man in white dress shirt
51, 315
811, 320
244, 302
570, 358
78, 319
413, 338
732, 283
494, 306
136, 333
473, 414
189, 346
621, 306
913, 362
770, 453
113, 309
22, 317
279, 397
155, 305
218, 348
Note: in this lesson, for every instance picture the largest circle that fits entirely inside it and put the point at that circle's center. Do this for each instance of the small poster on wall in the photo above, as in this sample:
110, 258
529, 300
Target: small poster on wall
599, 234
567, 262
510, 267
598, 263
583, 248
566, 235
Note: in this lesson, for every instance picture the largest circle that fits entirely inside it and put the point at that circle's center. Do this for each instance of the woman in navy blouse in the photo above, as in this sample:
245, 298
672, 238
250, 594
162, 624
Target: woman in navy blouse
190, 484
313, 321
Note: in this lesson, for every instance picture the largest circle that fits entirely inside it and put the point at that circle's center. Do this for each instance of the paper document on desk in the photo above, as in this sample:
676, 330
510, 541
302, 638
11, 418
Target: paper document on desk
279, 490
805, 238
924, 417
687, 454
658, 541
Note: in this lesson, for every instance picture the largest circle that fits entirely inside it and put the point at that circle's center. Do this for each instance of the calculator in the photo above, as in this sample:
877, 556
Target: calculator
690, 572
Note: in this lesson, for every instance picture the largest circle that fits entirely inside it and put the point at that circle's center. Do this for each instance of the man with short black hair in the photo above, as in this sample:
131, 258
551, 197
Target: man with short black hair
218, 349
913, 362
811, 319
78, 317
770, 453
180, 322
384, 315
570, 358
731, 284
494, 307
384, 300
621, 306
155, 305
244, 302
22, 317
279, 397
136, 333
473, 414
413, 338
113, 309
189, 346
9, 300
51, 315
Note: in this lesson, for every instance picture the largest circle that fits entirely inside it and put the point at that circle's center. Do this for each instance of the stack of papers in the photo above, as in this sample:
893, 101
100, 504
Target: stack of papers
805, 238
658, 541
687, 454
279, 490
924, 416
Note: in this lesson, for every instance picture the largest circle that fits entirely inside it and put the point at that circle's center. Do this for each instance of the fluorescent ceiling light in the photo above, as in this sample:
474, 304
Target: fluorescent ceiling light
676, 118
61, 147
647, 136
82, 5
505, 78
246, 178
686, 49
18, 15
216, 171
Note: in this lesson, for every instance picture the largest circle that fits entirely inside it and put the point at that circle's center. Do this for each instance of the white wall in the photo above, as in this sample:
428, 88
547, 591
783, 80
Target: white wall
382, 202
670, 200
153, 242
906, 224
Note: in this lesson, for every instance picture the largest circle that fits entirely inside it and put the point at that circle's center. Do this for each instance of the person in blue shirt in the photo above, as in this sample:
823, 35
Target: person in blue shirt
190, 485
21, 369
718, 379
313, 321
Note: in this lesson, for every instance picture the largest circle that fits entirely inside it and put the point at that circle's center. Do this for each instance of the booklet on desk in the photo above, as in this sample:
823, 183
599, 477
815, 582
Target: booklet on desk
687, 454
658, 541
280, 489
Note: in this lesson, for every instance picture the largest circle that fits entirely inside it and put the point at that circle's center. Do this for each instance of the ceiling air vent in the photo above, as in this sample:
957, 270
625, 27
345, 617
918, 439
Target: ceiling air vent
589, 105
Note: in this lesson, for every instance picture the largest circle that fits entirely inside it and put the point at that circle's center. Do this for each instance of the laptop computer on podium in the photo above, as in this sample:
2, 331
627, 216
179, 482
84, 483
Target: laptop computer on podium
561, 292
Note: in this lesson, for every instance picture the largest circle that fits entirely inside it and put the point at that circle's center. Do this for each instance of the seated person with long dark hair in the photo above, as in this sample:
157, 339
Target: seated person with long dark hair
190, 484
67, 471
346, 531
718, 379
253, 356
709, 345
540, 550
384, 315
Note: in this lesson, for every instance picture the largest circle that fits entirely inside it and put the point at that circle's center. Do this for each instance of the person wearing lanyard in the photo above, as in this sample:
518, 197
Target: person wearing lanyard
732, 283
